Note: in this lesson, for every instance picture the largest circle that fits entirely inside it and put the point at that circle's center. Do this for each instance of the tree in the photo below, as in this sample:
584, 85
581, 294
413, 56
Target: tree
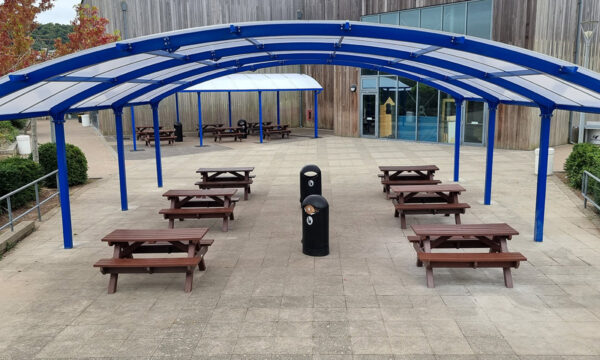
89, 30
45, 34
17, 22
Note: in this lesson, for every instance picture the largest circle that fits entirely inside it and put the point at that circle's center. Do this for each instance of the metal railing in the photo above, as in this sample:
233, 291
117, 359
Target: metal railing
38, 203
585, 180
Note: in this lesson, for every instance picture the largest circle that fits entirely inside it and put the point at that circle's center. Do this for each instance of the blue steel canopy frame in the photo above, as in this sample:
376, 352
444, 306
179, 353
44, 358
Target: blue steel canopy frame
256, 88
434, 58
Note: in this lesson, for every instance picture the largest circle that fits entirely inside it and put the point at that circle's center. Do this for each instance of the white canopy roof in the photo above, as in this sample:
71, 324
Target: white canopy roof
257, 82
145, 70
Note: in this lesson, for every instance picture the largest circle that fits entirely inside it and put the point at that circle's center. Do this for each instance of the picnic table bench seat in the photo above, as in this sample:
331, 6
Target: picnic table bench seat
272, 130
402, 209
169, 138
221, 132
237, 183
226, 213
505, 260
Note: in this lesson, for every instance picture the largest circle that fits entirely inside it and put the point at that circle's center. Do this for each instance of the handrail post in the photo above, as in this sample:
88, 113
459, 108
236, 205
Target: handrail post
37, 201
10, 218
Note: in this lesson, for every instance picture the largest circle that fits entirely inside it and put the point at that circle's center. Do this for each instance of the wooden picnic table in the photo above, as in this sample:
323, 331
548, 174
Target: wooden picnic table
164, 134
213, 203
490, 236
277, 129
235, 131
127, 242
254, 127
226, 177
144, 130
427, 199
407, 175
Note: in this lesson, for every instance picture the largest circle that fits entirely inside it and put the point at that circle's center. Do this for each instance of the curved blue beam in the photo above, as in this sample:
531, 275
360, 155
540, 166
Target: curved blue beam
235, 51
324, 59
312, 59
170, 42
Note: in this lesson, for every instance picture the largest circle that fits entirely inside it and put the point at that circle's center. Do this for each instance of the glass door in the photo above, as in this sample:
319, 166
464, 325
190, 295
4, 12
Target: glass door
387, 107
368, 114
474, 121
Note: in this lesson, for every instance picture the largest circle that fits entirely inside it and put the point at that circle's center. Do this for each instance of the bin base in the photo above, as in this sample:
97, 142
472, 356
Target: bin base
315, 252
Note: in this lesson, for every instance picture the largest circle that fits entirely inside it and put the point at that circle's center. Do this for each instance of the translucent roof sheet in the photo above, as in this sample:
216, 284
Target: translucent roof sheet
258, 82
147, 69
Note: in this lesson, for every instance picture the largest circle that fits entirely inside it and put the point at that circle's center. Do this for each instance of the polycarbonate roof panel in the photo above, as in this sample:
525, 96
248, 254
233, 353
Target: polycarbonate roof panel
152, 67
258, 82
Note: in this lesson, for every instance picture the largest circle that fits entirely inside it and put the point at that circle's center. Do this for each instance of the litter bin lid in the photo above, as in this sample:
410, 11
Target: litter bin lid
22, 137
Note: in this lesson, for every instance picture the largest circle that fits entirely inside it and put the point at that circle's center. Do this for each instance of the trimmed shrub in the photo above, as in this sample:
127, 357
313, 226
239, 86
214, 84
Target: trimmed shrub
76, 163
14, 173
19, 124
583, 157
593, 189
8, 133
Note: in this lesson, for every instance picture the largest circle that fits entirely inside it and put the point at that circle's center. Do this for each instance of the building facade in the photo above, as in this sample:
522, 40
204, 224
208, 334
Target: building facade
383, 105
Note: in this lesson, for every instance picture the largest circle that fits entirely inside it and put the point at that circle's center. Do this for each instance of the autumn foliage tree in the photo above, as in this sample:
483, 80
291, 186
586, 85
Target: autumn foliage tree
89, 30
17, 21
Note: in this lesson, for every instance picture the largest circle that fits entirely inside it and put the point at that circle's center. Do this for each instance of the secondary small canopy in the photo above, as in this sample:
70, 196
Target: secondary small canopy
258, 83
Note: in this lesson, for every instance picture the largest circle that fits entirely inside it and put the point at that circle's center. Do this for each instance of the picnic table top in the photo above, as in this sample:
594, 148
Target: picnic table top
427, 188
501, 229
224, 128
158, 235
200, 192
409, 168
226, 169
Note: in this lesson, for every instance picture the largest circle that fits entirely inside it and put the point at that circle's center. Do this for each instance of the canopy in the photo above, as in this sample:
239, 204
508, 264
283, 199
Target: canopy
257, 82
147, 69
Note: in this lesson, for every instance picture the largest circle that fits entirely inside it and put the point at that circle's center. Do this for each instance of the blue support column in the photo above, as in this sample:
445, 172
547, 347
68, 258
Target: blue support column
133, 134
200, 131
177, 107
121, 156
316, 115
260, 125
540, 198
63, 179
229, 106
278, 115
457, 138
487, 197
155, 123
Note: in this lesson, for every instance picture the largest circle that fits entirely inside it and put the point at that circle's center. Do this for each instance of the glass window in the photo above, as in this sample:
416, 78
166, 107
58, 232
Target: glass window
389, 18
407, 106
368, 82
368, 72
410, 18
479, 19
431, 18
370, 18
427, 113
454, 18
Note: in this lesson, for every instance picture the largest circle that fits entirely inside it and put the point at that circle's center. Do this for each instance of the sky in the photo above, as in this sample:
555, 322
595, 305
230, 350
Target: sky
61, 13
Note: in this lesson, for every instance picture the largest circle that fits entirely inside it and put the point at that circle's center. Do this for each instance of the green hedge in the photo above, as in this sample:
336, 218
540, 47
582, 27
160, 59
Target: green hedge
14, 173
19, 124
76, 163
8, 132
583, 157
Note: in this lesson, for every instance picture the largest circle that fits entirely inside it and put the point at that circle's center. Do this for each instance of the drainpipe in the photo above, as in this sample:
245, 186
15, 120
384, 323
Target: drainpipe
576, 58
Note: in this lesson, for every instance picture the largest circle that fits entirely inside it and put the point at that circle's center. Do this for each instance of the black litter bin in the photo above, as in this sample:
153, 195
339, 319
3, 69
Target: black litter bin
310, 181
178, 132
315, 226
244, 125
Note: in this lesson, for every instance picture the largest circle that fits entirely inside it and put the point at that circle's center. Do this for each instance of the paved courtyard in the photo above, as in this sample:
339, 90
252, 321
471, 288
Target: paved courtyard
261, 298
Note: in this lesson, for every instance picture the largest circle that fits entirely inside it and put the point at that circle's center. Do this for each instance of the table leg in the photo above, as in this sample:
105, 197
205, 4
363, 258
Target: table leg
112, 283
189, 274
225, 226
508, 282
428, 267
